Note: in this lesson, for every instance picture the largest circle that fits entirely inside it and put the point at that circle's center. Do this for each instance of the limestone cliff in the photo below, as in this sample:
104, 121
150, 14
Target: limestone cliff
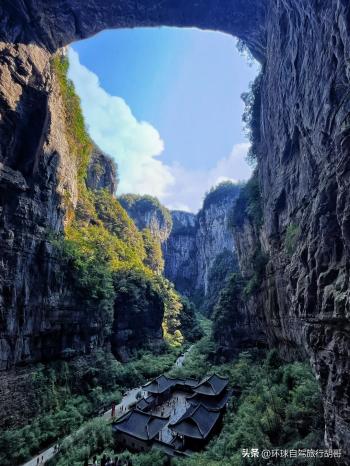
200, 252
40, 316
148, 212
180, 252
102, 172
302, 146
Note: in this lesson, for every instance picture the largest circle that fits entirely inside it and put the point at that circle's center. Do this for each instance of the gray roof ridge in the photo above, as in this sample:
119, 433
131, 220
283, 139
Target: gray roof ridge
136, 410
123, 417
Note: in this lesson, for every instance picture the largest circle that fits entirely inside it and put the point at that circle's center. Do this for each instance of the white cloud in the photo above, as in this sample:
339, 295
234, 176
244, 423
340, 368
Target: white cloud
190, 186
133, 144
136, 147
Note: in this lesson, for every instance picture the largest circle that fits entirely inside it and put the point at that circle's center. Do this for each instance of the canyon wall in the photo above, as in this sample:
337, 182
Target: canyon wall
41, 314
200, 251
148, 212
180, 252
302, 144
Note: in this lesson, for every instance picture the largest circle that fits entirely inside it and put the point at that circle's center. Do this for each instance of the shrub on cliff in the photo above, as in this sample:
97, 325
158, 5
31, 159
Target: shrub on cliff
117, 221
190, 326
252, 117
137, 205
228, 314
224, 265
248, 205
221, 191
154, 255
291, 238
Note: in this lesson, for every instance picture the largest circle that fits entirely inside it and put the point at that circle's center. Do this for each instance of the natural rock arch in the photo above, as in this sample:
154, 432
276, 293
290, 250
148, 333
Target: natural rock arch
56, 23
304, 155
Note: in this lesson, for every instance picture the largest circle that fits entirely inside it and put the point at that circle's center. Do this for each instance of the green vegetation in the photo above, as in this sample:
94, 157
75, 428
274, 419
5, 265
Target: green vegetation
227, 317
224, 265
79, 141
190, 324
137, 204
279, 407
154, 255
96, 435
117, 222
65, 395
69, 393
248, 204
251, 117
291, 239
221, 191
259, 262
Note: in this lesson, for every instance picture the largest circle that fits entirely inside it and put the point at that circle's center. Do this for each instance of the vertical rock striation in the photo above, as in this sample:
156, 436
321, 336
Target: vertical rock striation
102, 172
303, 169
200, 251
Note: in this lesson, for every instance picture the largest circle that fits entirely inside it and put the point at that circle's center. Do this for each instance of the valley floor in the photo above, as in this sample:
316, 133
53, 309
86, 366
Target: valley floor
279, 408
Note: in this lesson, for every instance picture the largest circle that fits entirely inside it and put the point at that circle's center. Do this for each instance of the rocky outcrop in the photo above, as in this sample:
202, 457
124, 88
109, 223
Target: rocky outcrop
102, 172
215, 235
180, 252
303, 158
200, 252
48, 24
138, 315
148, 212
39, 313
304, 178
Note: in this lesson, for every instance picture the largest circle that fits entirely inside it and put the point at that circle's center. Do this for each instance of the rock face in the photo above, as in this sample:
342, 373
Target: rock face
102, 172
39, 314
303, 169
214, 234
198, 244
180, 252
148, 212
138, 315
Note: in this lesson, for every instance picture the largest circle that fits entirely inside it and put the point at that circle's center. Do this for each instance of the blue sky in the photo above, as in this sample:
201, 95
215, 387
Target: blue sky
165, 103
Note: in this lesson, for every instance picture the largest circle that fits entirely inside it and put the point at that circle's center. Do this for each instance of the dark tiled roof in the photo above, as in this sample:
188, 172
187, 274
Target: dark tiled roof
140, 425
211, 402
160, 384
212, 385
187, 382
144, 403
197, 422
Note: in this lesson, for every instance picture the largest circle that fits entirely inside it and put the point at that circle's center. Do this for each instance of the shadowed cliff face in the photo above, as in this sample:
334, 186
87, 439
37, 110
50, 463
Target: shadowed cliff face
303, 164
303, 168
56, 23
200, 251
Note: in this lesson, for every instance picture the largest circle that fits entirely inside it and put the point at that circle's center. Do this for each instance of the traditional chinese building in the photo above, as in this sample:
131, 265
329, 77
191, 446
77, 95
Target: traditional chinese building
162, 387
147, 403
137, 430
196, 426
214, 402
212, 385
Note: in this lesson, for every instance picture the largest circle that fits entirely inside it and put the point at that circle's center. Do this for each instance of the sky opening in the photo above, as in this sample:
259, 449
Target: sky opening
165, 104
